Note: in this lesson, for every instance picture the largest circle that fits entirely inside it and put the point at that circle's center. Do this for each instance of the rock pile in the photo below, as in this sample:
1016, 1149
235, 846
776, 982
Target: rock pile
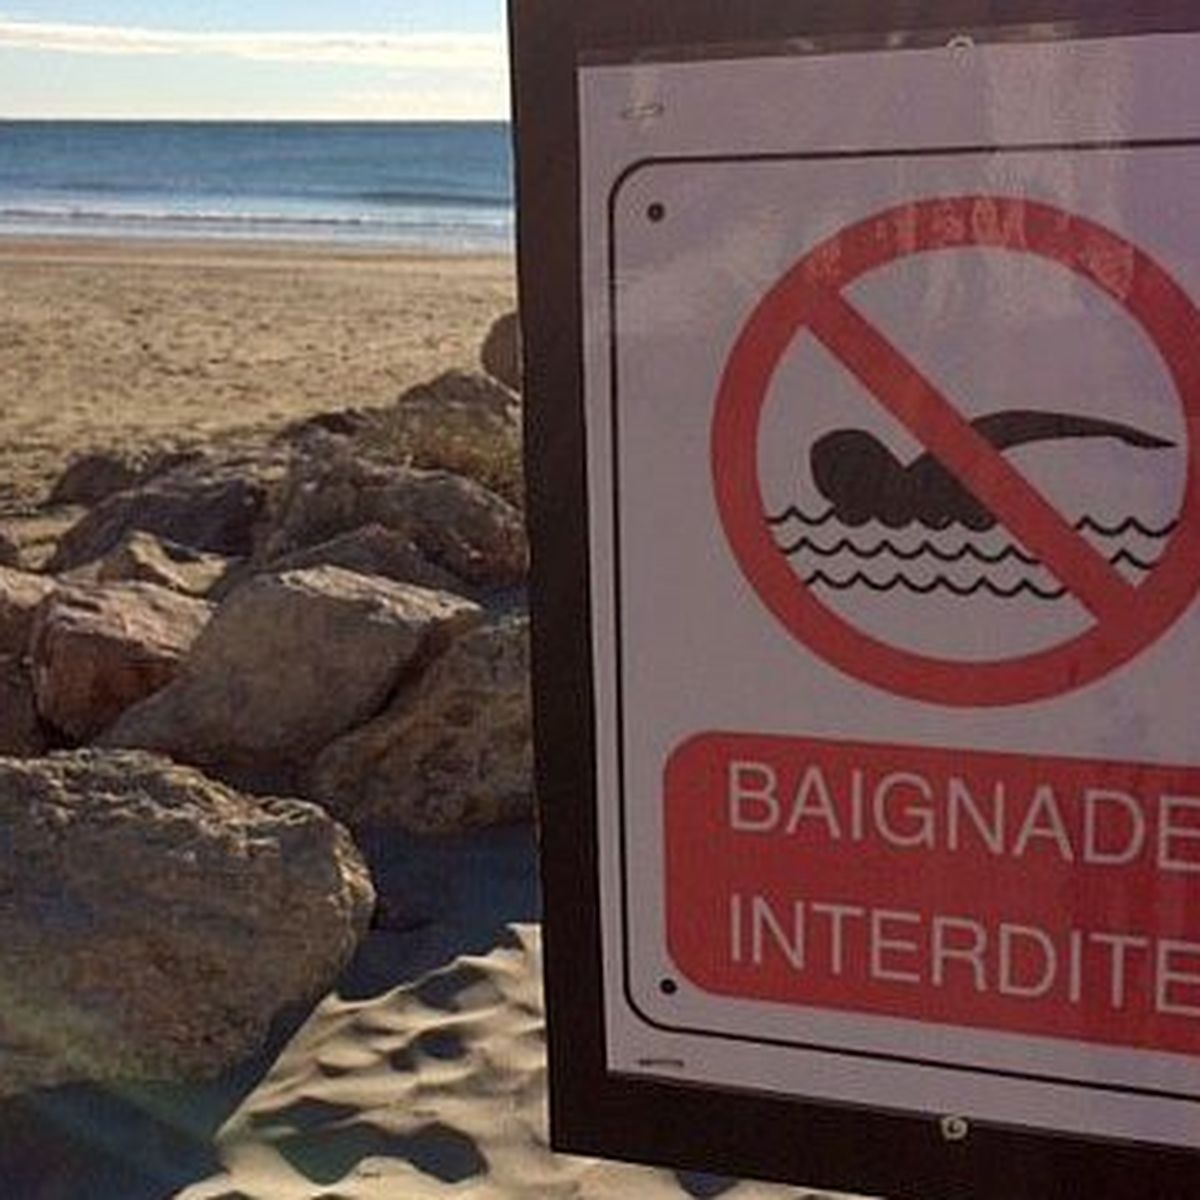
335, 615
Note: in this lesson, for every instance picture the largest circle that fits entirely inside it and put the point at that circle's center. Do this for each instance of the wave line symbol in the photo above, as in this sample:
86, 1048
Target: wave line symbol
792, 513
928, 549
967, 550
937, 583
1129, 524
1085, 524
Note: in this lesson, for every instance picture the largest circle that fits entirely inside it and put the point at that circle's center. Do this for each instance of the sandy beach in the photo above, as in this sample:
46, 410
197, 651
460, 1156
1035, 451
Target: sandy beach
159, 343
422, 1072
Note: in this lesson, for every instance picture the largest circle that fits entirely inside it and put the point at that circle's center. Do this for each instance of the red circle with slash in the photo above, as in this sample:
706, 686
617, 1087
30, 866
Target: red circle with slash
810, 298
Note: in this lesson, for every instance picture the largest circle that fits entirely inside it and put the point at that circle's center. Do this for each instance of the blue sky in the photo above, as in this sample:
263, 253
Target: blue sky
253, 58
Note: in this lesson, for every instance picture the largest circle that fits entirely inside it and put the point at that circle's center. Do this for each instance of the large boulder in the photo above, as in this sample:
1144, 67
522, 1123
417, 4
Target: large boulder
153, 923
94, 651
289, 663
21, 593
207, 503
453, 752
457, 524
21, 733
501, 351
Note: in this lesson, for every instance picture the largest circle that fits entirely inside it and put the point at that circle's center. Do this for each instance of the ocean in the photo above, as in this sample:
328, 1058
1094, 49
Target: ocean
443, 186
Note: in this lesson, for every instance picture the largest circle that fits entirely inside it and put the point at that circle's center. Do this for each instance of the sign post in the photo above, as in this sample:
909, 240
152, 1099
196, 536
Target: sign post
863, 387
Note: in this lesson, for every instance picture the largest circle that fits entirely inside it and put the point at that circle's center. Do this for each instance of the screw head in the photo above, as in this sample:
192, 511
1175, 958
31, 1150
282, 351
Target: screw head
955, 1129
656, 211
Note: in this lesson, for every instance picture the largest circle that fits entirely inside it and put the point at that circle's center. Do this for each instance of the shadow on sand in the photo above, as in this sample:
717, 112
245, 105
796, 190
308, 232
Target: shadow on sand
438, 898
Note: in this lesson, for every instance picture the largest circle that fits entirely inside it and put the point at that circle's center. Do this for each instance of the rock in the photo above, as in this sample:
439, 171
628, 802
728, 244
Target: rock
10, 552
475, 403
454, 750
21, 732
94, 651
346, 422
99, 474
153, 923
36, 533
209, 504
372, 550
93, 477
501, 351
289, 663
20, 595
458, 525
143, 558
464, 422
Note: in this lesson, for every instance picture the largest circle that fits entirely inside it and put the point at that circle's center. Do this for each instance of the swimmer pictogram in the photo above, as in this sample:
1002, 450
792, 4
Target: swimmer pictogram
962, 480
863, 480
865, 483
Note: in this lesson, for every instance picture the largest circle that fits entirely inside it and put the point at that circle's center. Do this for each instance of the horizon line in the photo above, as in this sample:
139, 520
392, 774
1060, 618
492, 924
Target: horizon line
275, 120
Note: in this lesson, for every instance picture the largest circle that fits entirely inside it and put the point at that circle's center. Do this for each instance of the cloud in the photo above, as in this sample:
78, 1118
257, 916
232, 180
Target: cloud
484, 52
483, 99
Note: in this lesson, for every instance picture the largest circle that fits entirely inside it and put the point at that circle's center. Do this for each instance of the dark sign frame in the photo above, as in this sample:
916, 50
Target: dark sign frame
594, 1111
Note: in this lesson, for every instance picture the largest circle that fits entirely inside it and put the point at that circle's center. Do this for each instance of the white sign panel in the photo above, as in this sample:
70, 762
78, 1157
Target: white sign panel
893, 403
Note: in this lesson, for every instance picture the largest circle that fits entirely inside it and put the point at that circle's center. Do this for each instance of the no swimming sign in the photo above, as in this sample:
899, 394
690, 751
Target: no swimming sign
888, 559
964, 482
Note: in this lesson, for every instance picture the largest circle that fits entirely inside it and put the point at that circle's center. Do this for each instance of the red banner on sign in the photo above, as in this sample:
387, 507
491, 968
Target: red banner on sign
1048, 896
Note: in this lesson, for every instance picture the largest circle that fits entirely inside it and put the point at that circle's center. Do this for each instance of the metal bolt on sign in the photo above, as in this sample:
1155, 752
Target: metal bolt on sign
955, 1129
